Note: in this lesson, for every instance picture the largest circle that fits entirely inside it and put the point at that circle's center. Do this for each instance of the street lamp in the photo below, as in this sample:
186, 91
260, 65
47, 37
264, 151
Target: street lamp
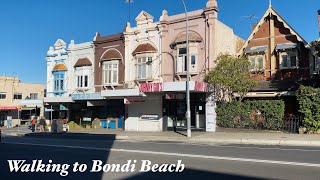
188, 113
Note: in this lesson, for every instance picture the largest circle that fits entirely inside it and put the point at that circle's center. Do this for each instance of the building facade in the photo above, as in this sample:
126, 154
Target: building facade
20, 101
281, 59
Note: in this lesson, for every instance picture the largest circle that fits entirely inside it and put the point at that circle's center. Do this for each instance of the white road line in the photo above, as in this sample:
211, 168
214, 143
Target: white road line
177, 154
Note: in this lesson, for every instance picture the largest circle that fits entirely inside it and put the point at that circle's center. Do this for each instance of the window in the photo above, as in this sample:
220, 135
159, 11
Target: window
289, 59
144, 68
182, 61
3, 95
58, 81
110, 72
82, 81
17, 96
257, 62
33, 95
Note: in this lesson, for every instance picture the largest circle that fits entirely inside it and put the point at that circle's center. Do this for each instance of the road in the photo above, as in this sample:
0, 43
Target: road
205, 161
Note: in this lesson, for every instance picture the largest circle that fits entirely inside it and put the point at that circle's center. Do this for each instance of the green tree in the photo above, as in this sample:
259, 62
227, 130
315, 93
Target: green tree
316, 46
231, 75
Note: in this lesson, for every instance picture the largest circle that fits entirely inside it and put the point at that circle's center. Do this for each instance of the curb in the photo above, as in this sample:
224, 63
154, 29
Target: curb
273, 142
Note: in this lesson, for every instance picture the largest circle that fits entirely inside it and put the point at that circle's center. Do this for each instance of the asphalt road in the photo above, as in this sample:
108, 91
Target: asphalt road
205, 161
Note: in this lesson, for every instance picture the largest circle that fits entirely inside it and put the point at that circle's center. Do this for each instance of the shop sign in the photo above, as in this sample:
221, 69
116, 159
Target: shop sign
86, 119
9, 108
149, 116
151, 87
211, 114
63, 108
200, 86
133, 100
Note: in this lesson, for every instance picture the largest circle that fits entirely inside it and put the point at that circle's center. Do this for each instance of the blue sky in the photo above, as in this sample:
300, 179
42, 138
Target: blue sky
29, 27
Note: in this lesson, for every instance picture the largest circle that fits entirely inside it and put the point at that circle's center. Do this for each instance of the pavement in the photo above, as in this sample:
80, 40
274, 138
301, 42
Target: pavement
202, 161
222, 136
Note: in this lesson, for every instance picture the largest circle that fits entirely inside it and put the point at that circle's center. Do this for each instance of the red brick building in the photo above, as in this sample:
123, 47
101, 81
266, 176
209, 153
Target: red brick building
281, 59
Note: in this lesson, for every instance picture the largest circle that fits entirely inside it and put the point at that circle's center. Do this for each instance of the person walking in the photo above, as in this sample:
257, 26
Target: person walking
42, 124
33, 124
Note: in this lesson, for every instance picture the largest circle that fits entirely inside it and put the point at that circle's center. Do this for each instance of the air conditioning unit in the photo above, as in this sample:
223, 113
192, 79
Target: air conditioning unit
129, 85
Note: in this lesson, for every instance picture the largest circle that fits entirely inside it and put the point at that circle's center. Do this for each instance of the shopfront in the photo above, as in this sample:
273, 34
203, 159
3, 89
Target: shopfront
10, 116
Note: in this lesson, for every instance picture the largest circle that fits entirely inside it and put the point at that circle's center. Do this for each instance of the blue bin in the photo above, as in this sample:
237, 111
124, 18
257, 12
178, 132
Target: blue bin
120, 123
112, 124
103, 123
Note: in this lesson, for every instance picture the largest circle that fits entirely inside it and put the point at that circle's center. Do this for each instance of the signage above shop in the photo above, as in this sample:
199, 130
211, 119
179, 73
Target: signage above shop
149, 116
133, 100
6, 108
200, 86
151, 87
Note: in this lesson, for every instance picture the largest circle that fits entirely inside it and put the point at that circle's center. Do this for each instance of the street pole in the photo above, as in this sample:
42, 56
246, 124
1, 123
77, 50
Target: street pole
188, 113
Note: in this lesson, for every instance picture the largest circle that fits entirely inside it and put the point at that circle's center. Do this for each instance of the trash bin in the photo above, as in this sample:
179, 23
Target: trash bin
57, 126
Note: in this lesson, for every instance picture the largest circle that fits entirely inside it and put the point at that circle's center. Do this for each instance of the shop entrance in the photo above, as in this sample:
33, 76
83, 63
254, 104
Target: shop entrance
175, 107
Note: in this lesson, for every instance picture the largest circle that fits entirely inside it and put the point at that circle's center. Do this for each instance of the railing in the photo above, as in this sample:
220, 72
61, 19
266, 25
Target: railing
292, 123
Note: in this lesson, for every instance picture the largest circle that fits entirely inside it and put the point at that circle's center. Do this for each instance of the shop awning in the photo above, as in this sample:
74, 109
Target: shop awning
256, 49
8, 108
286, 46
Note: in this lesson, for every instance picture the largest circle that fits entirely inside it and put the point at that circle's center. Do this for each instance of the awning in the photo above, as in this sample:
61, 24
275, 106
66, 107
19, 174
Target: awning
286, 46
256, 49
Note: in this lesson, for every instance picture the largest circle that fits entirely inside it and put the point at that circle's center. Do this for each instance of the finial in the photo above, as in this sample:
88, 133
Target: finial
270, 3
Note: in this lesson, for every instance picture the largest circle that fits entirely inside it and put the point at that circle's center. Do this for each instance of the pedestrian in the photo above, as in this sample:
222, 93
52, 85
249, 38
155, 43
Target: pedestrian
33, 124
42, 124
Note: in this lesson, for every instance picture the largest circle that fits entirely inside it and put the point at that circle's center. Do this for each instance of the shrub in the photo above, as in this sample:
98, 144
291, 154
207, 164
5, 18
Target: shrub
259, 114
309, 107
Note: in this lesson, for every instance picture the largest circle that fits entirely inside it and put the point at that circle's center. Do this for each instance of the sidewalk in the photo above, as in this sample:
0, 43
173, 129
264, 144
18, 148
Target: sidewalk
222, 136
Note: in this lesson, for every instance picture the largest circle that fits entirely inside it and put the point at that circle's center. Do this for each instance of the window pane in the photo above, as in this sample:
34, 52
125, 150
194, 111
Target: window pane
85, 81
252, 61
138, 71
109, 76
260, 63
284, 61
193, 60
144, 60
114, 80
183, 51
185, 63
149, 58
180, 64
61, 85
105, 76
293, 61
143, 71
150, 71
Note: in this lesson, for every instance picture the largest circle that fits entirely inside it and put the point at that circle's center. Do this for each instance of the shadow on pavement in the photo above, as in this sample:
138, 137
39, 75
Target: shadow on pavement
78, 136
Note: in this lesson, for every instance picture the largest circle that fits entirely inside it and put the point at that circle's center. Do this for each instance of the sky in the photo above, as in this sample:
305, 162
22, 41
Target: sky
29, 27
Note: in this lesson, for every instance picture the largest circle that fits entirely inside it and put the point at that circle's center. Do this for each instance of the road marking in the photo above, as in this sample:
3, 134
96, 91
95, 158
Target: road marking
176, 154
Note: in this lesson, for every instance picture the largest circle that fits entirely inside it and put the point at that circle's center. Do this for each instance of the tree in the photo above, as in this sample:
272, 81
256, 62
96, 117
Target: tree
316, 46
231, 75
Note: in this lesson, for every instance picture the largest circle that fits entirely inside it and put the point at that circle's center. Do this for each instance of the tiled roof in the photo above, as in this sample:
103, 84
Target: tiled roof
144, 48
83, 62
60, 67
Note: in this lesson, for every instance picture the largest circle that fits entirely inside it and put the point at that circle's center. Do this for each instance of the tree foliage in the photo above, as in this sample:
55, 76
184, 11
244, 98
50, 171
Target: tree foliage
230, 76
316, 46
309, 106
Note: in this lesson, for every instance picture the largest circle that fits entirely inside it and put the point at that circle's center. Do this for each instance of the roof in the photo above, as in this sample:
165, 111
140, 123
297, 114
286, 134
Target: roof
144, 48
83, 62
286, 46
271, 10
111, 54
60, 67
256, 49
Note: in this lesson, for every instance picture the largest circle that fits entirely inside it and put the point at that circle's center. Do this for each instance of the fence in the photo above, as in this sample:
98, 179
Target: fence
292, 123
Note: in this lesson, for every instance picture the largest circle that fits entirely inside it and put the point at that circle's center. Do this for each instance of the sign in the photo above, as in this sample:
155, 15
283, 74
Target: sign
133, 100
63, 108
150, 116
86, 119
200, 86
151, 87
6, 108
211, 114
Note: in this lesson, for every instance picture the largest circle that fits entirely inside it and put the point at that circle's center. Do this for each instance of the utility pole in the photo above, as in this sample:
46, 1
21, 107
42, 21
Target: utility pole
188, 113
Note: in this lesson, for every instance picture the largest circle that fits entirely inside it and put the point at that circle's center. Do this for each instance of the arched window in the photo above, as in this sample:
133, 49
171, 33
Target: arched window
59, 78
82, 71
110, 67
144, 56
